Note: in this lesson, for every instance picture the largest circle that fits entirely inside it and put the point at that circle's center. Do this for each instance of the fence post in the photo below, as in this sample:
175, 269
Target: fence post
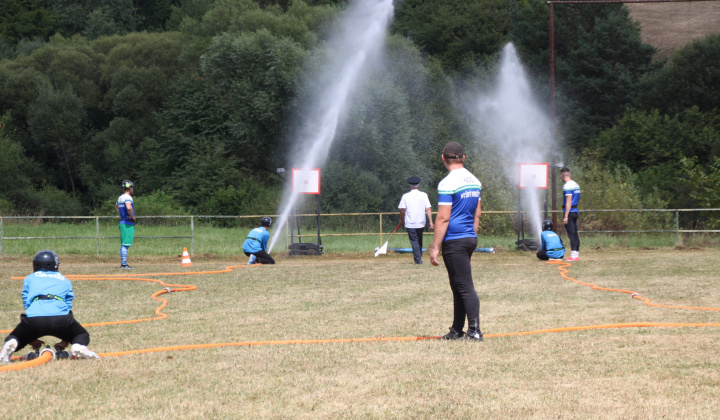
381, 229
287, 234
97, 235
677, 227
192, 235
2, 251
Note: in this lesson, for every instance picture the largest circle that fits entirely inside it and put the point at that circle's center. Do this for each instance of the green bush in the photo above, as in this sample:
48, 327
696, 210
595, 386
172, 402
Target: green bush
50, 201
614, 187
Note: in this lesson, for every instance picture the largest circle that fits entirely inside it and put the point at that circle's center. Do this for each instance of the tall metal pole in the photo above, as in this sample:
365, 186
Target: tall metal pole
318, 220
553, 129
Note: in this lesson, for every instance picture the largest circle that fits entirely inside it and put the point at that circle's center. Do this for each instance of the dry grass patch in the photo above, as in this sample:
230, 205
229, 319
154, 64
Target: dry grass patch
619, 373
671, 26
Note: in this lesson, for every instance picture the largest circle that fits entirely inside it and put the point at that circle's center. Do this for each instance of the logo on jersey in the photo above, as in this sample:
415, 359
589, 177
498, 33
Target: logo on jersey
468, 194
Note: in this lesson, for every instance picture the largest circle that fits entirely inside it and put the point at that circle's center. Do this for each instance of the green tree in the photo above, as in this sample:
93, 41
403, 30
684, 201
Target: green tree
652, 145
82, 110
600, 62
300, 22
460, 33
221, 128
257, 75
689, 79
21, 19
599, 76
348, 188
154, 14
616, 186
15, 169
704, 180
57, 126
395, 127
97, 18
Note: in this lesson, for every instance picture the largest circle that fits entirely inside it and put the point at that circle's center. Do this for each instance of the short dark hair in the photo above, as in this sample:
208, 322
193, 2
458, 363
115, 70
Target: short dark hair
453, 150
564, 169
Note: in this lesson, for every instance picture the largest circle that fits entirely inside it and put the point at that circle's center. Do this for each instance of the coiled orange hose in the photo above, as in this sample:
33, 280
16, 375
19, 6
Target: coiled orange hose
562, 266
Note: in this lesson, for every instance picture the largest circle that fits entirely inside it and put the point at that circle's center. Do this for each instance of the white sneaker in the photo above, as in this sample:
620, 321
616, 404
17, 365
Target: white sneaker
7, 350
252, 259
78, 351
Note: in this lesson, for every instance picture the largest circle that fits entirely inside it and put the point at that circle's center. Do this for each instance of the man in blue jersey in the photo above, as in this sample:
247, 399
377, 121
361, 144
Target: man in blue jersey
126, 209
551, 246
456, 224
47, 296
255, 245
571, 198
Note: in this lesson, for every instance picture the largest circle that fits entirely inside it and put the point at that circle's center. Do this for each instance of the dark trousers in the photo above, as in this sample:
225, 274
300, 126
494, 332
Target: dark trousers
416, 240
64, 327
572, 231
456, 255
542, 254
262, 257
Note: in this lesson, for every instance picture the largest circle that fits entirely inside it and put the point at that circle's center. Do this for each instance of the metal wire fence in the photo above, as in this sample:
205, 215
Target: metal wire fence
494, 223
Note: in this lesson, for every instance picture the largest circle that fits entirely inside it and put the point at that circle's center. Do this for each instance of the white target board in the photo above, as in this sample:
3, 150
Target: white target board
306, 181
533, 175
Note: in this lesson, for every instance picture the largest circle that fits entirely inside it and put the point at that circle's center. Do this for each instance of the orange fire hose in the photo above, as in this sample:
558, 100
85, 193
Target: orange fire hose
137, 277
562, 266
43, 358
47, 356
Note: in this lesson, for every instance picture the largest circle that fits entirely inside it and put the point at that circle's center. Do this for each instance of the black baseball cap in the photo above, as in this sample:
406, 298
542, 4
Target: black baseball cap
453, 150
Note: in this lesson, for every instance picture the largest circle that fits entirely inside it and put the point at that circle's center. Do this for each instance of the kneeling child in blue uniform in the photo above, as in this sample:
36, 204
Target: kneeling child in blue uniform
551, 247
255, 246
48, 297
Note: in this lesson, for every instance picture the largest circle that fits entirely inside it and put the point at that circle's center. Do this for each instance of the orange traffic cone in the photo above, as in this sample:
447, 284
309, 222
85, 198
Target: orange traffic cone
186, 259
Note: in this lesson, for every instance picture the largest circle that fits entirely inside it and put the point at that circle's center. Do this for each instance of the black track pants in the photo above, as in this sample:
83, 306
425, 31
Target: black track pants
262, 257
456, 255
572, 231
64, 327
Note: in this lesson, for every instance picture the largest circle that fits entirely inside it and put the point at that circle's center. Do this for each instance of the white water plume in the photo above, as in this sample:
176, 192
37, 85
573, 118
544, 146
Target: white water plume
509, 117
356, 40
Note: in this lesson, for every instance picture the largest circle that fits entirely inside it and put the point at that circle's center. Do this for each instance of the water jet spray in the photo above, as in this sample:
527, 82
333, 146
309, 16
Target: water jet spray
509, 117
356, 41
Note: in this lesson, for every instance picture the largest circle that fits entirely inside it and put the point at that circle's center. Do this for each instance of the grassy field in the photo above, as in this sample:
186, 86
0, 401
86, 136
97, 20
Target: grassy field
608, 373
212, 241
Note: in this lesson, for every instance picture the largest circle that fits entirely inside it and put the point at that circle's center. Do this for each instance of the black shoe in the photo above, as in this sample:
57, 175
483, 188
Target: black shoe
126, 267
474, 336
453, 335
32, 355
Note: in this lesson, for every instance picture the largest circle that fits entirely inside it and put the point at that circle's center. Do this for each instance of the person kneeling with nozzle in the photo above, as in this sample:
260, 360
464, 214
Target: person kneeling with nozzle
47, 296
551, 246
255, 245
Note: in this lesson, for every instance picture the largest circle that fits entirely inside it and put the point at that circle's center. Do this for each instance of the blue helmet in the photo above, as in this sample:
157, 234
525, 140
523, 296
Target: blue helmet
127, 184
46, 260
547, 225
266, 221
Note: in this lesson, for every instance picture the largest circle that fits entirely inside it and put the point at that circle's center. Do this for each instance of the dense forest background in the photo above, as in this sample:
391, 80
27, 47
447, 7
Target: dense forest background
191, 99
